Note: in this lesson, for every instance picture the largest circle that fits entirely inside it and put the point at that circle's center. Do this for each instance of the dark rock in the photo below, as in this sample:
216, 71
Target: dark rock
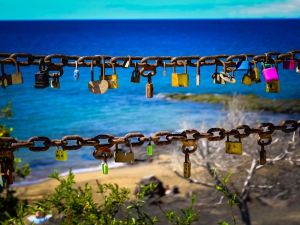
159, 191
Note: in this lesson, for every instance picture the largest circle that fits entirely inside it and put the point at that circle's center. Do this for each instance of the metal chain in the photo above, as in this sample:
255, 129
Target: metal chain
55, 62
75, 142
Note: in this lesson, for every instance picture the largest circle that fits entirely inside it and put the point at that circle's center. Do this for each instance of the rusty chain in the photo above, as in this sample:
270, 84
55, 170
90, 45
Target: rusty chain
75, 142
56, 62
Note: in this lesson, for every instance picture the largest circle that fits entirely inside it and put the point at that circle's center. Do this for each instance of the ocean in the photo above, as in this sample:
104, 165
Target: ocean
72, 109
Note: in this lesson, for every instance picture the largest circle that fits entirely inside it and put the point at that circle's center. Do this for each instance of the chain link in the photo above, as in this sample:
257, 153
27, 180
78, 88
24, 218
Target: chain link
56, 62
75, 142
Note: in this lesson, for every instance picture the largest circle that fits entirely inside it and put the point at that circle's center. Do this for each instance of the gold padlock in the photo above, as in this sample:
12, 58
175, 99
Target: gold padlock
247, 79
273, 86
233, 147
180, 79
187, 169
254, 73
188, 146
17, 77
61, 155
122, 156
112, 79
149, 88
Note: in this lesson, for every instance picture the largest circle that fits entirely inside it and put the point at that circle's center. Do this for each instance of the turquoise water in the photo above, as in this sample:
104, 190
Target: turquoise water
73, 110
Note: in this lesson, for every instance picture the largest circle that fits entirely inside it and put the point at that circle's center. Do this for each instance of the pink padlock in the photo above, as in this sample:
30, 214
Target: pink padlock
289, 64
270, 74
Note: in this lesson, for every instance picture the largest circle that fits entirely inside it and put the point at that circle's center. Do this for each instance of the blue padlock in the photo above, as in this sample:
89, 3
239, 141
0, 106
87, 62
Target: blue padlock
242, 65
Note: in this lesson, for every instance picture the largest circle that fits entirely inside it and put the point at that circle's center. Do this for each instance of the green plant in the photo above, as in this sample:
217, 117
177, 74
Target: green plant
12, 210
75, 205
185, 217
232, 198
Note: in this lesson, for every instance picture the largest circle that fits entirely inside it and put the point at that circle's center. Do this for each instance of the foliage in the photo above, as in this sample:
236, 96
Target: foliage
76, 205
232, 198
11, 208
186, 217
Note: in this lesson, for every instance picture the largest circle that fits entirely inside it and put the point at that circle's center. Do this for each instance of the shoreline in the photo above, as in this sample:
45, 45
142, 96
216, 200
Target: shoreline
248, 102
126, 176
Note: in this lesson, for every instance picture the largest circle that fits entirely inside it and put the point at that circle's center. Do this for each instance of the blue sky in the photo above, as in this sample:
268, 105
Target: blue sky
141, 9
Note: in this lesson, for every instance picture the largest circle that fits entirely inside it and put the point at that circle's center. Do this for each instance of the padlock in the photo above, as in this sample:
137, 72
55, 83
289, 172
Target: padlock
262, 156
273, 86
149, 88
61, 155
76, 71
254, 73
112, 79
226, 78
187, 166
6, 79
42, 76
198, 74
105, 168
127, 64
165, 70
124, 157
99, 86
55, 81
149, 149
247, 79
102, 153
135, 75
188, 146
233, 147
180, 79
216, 76
270, 73
17, 77
289, 64
242, 65
298, 68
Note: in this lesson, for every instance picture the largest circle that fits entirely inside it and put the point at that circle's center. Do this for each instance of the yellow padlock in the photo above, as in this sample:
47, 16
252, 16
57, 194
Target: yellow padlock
180, 79
61, 155
273, 86
247, 79
112, 79
254, 73
17, 77
233, 147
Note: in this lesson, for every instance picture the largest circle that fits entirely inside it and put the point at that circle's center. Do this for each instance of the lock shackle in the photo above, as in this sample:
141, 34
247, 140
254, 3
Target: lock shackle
102, 153
269, 59
113, 67
128, 143
9, 60
148, 70
198, 65
189, 146
92, 70
57, 74
102, 68
234, 133
261, 141
42, 66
